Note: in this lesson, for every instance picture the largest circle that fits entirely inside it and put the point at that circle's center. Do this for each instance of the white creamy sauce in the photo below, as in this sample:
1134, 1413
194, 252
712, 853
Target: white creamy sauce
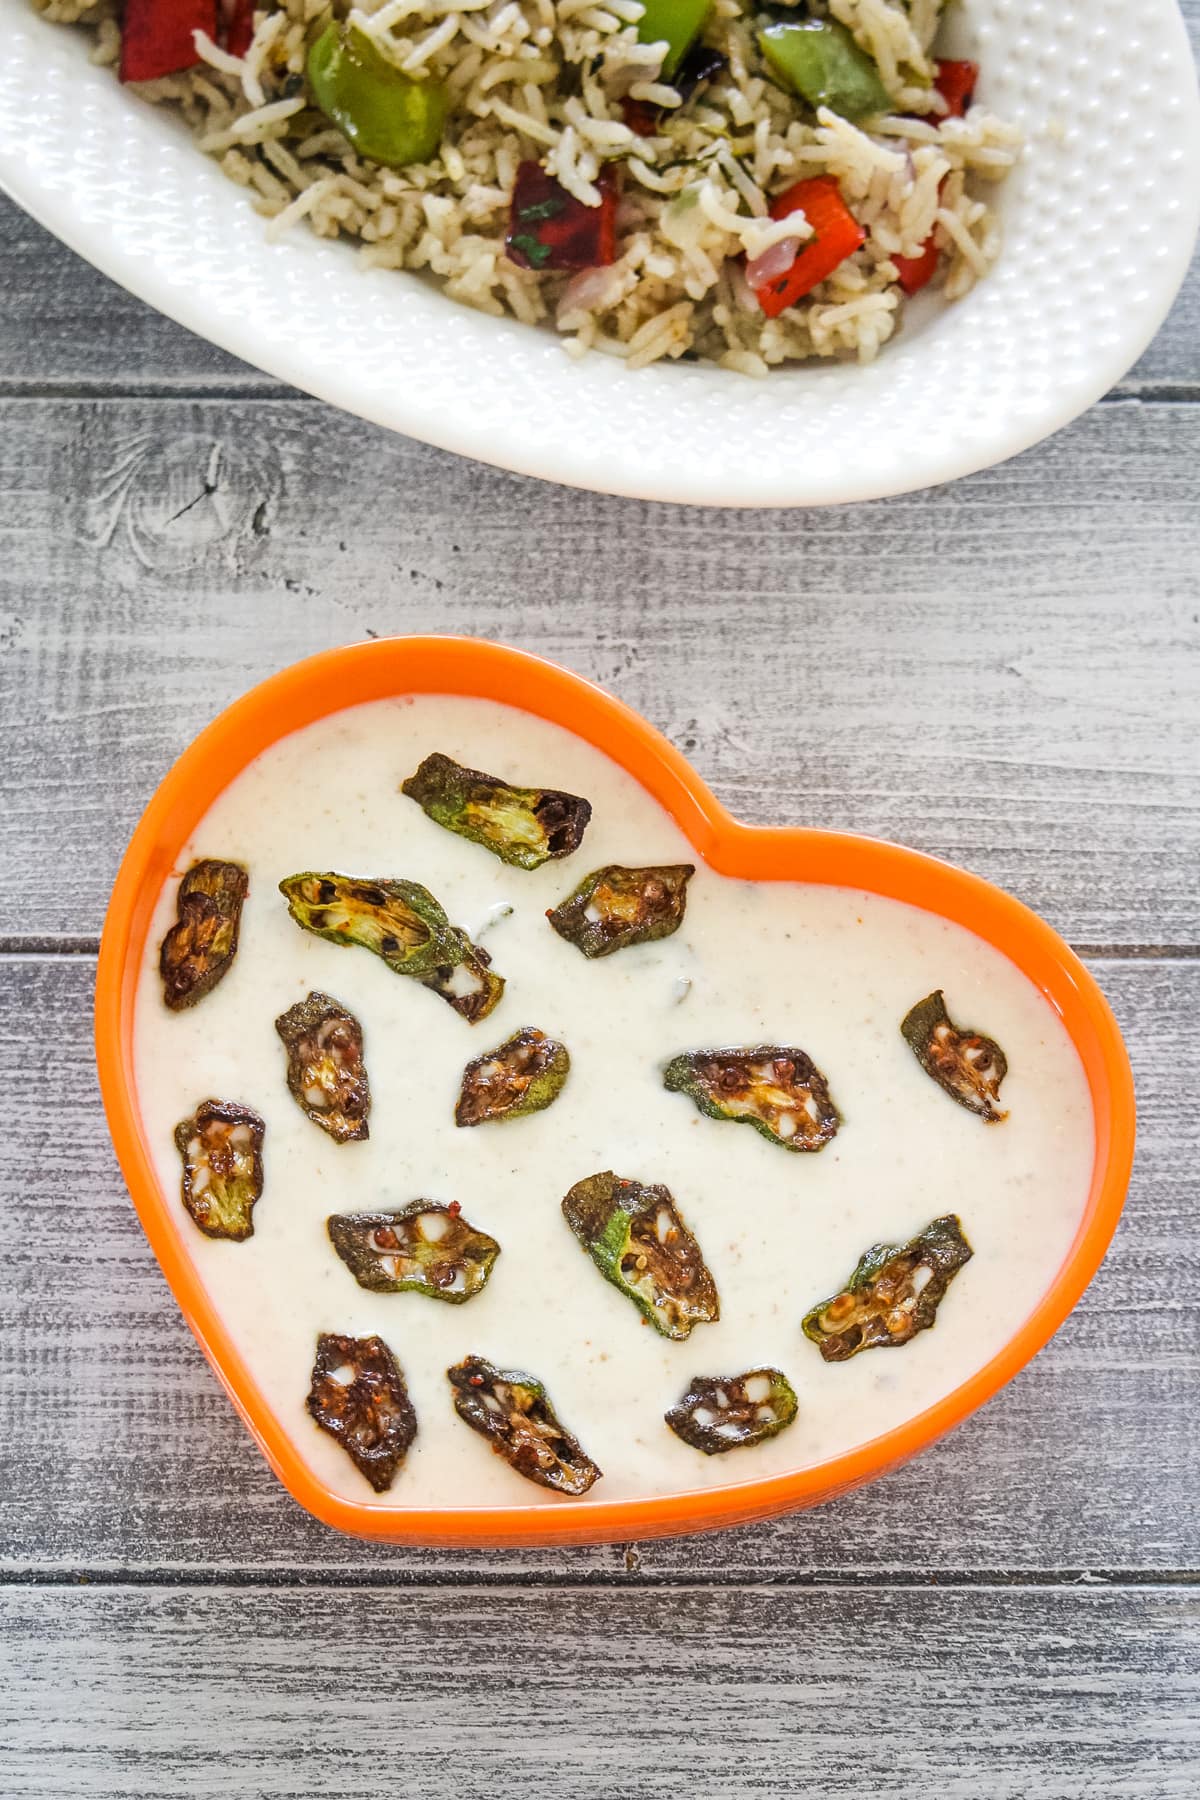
827, 969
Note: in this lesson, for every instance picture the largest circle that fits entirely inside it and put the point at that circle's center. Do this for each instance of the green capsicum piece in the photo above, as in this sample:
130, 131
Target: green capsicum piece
200, 947
524, 827
725, 1412
424, 1248
637, 1239
404, 925
776, 1088
523, 1075
221, 1146
512, 1411
381, 112
969, 1066
893, 1293
358, 1395
614, 907
326, 1075
821, 62
676, 23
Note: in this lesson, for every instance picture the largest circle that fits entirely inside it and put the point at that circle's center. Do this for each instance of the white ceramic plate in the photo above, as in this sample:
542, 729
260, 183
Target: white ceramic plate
1100, 219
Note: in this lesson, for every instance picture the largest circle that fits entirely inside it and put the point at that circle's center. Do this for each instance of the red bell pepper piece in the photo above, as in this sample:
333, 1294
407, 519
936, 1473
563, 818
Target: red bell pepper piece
239, 27
641, 118
914, 272
549, 229
955, 82
156, 36
837, 234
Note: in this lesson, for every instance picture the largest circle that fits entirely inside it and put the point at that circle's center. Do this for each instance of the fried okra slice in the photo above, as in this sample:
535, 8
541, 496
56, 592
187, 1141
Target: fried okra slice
221, 1147
776, 1088
359, 1397
326, 1075
614, 907
893, 1293
969, 1066
405, 926
513, 1412
524, 827
637, 1239
200, 947
524, 1075
425, 1248
723, 1412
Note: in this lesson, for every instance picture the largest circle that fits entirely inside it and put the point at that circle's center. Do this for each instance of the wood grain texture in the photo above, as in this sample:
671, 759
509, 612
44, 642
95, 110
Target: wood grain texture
303, 1694
1001, 672
1089, 1461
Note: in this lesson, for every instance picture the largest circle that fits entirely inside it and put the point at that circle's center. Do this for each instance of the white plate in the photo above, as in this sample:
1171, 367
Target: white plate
1100, 219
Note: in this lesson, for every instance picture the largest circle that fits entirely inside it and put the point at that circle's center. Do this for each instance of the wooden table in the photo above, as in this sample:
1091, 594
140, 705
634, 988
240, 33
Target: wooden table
1003, 672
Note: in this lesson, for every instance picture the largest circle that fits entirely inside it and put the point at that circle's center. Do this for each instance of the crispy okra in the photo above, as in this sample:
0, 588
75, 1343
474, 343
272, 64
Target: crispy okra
523, 1075
893, 1293
513, 1412
969, 1066
405, 926
637, 1239
424, 1248
358, 1395
776, 1088
221, 1147
200, 947
326, 1075
614, 907
724, 1412
522, 826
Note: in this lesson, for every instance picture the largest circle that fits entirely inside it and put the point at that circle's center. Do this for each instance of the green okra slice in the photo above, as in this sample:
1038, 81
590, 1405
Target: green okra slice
358, 1395
969, 1066
200, 947
524, 827
424, 1248
724, 1412
774, 1087
326, 1075
614, 907
637, 1239
523, 1075
221, 1147
405, 926
512, 1411
893, 1293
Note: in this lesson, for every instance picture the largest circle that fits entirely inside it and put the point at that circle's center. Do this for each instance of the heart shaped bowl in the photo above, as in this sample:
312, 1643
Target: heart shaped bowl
388, 668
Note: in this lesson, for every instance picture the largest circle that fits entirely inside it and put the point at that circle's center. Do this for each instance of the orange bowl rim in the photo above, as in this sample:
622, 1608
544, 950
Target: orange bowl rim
393, 667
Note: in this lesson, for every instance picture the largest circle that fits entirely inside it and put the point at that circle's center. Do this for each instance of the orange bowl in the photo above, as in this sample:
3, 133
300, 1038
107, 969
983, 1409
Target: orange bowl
387, 668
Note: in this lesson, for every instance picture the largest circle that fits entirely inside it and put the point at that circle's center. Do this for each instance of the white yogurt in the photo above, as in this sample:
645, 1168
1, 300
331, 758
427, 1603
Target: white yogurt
828, 969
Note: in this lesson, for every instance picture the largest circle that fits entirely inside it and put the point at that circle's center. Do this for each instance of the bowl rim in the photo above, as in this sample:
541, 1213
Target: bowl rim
391, 667
454, 405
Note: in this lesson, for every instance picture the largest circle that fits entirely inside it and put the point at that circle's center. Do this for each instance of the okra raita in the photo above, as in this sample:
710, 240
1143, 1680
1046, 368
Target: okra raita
637, 1239
402, 923
524, 827
199, 949
358, 1395
221, 1146
969, 1066
893, 1294
326, 1075
513, 1412
423, 1248
615, 907
725, 1412
777, 1089
523, 1075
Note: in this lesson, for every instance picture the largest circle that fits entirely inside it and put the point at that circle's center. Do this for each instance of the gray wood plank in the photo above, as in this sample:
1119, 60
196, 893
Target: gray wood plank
299, 1694
51, 303
119, 1454
1002, 672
